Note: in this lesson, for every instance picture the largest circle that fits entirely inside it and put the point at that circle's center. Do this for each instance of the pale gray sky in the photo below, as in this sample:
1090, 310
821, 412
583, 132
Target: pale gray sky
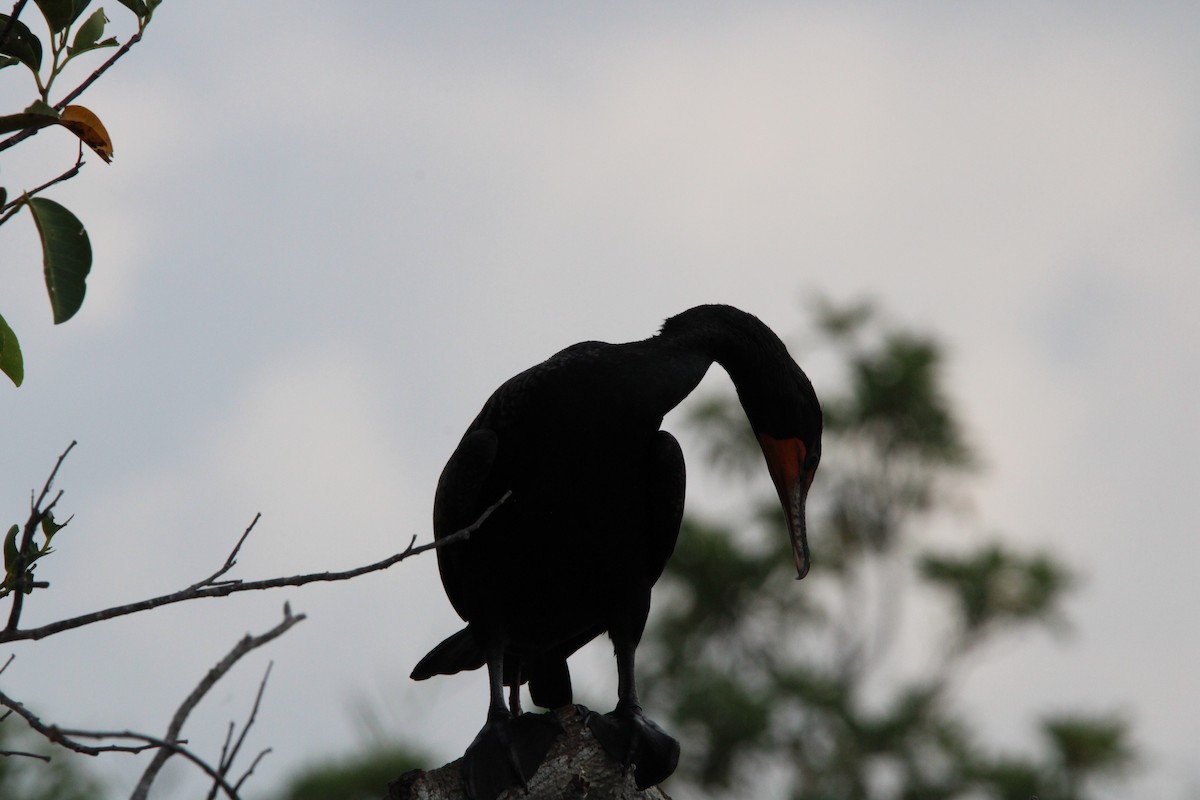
332, 229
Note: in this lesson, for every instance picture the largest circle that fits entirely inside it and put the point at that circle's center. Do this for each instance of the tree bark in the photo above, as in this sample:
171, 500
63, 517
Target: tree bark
576, 767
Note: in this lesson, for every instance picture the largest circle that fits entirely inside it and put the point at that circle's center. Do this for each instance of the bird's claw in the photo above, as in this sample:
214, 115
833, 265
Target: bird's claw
507, 752
628, 737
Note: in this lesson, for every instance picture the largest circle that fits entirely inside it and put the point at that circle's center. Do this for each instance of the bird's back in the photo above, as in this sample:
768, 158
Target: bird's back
577, 453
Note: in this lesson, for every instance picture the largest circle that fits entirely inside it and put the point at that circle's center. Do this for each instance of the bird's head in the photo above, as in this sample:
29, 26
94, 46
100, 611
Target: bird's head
776, 395
787, 421
792, 463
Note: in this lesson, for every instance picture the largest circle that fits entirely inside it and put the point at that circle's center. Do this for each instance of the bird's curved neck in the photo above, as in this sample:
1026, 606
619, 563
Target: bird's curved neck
738, 341
672, 364
756, 359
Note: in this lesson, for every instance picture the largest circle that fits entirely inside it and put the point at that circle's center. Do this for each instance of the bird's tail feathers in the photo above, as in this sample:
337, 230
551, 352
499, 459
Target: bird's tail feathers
457, 653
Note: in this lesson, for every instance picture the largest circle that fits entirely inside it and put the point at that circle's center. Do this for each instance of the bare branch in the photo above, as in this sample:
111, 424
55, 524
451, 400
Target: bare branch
229, 754
224, 751
225, 588
231, 560
262, 687
38, 756
149, 743
170, 744
211, 586
215, 674
56, 735
14, 206
253, 765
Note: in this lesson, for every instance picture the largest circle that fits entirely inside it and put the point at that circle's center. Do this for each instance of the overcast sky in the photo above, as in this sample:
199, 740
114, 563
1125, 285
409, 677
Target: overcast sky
331, 229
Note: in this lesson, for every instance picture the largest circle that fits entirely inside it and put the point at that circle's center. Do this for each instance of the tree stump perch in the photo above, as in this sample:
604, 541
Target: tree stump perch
575, 768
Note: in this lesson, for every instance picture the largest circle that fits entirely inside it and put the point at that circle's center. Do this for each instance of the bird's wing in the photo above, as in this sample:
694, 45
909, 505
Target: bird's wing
460, 500
458, 652
667, 489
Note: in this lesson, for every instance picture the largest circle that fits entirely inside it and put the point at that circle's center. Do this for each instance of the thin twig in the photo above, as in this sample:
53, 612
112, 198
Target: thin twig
228, 754
14, 206
244, 646
253, 765
231, 560
71, 173
38, 756
237, 747
153, 742
171, 744
36, 514
81, 88
22, 135
226, 588
224, 753
58, 736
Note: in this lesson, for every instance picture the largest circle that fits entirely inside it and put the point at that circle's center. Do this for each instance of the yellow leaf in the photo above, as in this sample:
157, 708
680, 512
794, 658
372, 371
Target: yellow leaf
87, 126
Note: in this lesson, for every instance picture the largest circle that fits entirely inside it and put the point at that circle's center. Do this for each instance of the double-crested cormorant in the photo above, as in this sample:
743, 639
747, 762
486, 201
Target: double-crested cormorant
596, 501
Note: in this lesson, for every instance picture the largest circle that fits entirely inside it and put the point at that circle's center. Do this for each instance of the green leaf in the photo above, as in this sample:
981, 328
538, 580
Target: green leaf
8, 61
136, 6
21, 44
37, 115
109, 42
50, 527
89, 33
60, 14
11, 363
10, 550
66, 253
42, 108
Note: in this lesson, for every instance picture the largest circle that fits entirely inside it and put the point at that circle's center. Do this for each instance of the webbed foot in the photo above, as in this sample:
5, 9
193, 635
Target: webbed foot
628, 737
506, 753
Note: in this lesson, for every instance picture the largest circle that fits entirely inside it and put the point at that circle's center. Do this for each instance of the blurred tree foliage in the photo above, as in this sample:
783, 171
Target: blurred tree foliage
26, 778
785, 691
363, 777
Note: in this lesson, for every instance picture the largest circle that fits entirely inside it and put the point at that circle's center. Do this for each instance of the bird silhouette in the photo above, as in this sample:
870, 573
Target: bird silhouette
597, 495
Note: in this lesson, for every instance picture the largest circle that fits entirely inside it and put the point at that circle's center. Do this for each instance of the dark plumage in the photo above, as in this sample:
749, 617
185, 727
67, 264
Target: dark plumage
597, 499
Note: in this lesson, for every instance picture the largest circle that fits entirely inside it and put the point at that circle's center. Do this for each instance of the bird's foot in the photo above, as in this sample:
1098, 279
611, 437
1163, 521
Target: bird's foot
628, 737
506, 752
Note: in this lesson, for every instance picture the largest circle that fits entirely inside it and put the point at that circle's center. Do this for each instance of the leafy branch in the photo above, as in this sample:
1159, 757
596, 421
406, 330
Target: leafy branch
213, 586
19, 558
66, 250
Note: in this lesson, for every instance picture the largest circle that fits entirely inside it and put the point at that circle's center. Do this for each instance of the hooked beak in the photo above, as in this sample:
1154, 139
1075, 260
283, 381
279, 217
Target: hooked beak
798, 531
785, 460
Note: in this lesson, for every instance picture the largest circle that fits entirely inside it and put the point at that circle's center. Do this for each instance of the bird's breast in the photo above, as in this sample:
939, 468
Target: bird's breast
556, 557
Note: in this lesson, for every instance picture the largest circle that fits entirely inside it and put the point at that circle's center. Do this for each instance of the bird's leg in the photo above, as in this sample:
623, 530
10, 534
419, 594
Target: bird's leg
625, 733
507, 750
514, 693
627, 696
